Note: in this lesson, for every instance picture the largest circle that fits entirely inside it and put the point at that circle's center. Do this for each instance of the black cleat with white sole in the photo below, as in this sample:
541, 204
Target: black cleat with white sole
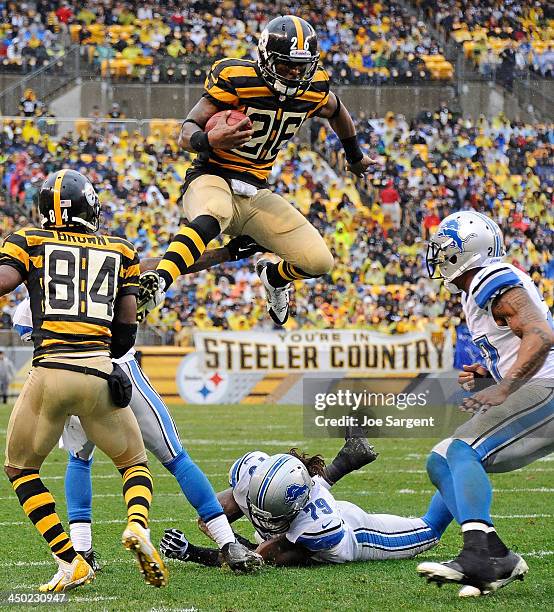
509, 568
277, 297
469, 567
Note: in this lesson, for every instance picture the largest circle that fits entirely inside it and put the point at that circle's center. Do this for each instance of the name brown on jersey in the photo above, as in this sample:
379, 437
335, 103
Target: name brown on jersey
73, 280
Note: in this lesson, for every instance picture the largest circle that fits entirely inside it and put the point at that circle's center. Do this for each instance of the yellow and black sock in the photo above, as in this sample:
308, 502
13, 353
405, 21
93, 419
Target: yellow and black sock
282, 273
39, 505
137, 491
187, 247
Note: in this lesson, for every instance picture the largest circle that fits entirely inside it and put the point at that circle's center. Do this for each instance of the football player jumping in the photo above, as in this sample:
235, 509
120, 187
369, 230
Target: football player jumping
287, 499
226, 189
513, 421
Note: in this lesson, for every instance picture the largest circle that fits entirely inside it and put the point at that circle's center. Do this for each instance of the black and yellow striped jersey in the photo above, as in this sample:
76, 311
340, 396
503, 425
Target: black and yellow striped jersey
237, 84
73, 280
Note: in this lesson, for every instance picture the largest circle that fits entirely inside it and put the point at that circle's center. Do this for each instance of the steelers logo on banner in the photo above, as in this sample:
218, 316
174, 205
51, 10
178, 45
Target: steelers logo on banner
198, 386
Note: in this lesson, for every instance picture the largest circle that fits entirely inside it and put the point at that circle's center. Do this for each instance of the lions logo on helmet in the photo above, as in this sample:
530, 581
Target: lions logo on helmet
451, 229
463, 241
294, 492
279, 488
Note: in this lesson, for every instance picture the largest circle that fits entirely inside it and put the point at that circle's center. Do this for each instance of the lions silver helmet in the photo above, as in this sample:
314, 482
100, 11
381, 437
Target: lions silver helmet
279, 488
464, 240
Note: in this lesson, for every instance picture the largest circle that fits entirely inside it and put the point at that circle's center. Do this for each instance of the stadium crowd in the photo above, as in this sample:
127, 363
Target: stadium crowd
376, 227
360, 42
502, 36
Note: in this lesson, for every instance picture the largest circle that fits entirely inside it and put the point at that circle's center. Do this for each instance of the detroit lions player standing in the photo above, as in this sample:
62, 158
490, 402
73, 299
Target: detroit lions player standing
513, 421
287, 499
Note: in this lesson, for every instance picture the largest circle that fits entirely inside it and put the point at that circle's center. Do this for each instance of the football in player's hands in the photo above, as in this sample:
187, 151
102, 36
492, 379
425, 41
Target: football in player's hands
232, 117
225, 135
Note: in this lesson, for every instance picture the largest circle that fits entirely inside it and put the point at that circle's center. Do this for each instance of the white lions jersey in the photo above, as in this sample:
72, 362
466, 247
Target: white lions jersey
23, 325
338, 531
498, 343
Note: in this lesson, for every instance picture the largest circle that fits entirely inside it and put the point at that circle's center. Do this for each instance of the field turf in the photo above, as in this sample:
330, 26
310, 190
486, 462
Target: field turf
215, 436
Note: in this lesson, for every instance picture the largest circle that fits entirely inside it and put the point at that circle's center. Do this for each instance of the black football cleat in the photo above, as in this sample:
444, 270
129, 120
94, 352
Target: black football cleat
469, 568
509, 568
91, 557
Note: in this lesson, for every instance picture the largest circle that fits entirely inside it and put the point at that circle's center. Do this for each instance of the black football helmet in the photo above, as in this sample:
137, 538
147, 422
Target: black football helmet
68, 199
288, 40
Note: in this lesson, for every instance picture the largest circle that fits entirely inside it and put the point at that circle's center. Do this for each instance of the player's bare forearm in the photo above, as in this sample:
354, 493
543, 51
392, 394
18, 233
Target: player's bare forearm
10, 279
221, 136
516, 309
210, 258
280, 551
200, 113
342, 124
229, 505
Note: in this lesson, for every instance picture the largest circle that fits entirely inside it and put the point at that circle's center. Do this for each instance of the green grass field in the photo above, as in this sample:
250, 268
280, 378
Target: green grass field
215, 436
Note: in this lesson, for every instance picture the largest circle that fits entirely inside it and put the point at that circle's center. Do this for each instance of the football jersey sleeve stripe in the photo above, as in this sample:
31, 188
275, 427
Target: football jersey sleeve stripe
487, 276
253, 92
132, 271
497, 283
237, 72
320, 105
319, 534
321, 543
235, 469
220, 95
15, 256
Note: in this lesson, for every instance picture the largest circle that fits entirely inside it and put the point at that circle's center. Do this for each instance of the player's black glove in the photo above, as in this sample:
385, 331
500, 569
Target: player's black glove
242, 247
174, 544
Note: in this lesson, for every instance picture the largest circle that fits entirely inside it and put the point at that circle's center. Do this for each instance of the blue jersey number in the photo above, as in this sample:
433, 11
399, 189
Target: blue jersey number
490, 353
320, 504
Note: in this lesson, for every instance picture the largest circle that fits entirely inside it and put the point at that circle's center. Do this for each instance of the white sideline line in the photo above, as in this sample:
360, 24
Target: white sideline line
357, 492
521, 516
172, 519
117, 476
530, 553
427, 491
106, 521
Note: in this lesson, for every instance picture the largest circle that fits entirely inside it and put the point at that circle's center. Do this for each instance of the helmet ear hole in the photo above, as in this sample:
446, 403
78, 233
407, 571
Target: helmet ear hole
453, 259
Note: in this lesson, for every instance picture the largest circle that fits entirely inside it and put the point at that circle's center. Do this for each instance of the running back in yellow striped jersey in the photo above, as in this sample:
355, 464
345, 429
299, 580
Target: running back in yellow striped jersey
237, 84
73, 280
